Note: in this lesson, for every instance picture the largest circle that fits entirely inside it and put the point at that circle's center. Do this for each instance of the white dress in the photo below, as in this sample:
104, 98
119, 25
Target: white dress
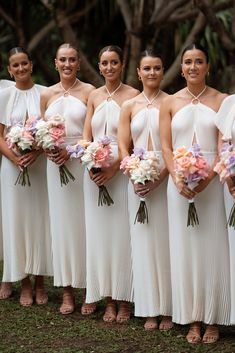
25, 218
225, 120
200, 254
150, 241
107, 227
66, 202
3, 84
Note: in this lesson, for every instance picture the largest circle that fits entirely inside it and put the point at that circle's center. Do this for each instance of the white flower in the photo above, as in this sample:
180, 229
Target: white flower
87, 160
14, 134
56, 120
93, 147
25, 143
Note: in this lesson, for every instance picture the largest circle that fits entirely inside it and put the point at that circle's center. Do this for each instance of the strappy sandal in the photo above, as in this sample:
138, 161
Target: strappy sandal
124, 313
88, 308
194, 334
211, 334
151, 323
110, 312
67, 308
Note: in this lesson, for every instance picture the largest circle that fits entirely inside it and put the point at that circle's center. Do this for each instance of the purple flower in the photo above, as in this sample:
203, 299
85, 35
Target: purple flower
226, 146
105, 140
139, 152
75, 151
196, 150
193, 178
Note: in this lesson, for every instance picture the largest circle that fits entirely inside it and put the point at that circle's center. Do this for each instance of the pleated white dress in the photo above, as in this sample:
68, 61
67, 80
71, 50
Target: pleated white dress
200, 254
150, 241
3, 84
107, 228
25, 217
66, 202
225, 120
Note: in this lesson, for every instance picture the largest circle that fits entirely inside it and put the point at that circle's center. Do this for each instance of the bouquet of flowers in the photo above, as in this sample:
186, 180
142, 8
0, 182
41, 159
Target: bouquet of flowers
141, 166
50, 136
190, 167
226, 168
21, 139
95, 156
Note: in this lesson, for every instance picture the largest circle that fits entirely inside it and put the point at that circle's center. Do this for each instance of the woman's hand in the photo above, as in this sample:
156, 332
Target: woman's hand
143, 190
202, 185
103, 176
27, 159
59, 156
231, 186
184, 190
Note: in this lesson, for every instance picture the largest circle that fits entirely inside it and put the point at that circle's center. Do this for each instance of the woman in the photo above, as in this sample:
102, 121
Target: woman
25, 222
107, 229
6, 287
139, 126
224, 120
199, 255
68, 98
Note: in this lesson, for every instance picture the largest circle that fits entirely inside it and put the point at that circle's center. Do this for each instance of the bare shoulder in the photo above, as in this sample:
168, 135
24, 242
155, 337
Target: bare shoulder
50, 91
131, 91
87, 87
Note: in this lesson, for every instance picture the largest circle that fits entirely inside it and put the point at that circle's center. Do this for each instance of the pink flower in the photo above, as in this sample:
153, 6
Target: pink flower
57, 132
102, 156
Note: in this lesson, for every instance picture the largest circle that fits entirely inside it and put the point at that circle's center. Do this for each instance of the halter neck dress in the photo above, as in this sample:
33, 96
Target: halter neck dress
150, 241
25, 217
200, 254
107, 227
225, 121
66, 202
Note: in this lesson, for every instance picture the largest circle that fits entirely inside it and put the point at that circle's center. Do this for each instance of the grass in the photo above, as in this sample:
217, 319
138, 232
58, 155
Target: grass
41, 329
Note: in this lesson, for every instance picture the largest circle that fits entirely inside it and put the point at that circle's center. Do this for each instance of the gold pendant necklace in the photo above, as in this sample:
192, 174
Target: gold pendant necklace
67, 91
111, 94
150, 102
196, 99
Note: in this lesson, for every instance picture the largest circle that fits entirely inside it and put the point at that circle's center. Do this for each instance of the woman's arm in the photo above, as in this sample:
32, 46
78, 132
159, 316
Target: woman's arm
165, 135
87, 131
6, 151
124, 131
167, 148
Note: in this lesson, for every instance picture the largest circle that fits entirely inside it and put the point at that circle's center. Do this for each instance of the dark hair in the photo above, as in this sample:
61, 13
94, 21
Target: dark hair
16, 50
68, 45
195, 46
150, 52
114, 48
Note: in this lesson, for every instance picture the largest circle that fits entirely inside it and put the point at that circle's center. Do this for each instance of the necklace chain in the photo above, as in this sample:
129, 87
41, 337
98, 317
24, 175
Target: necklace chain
112, 93
66, 91
150, 102
196, 99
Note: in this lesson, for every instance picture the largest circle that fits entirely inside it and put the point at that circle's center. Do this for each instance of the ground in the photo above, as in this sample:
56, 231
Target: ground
42, 329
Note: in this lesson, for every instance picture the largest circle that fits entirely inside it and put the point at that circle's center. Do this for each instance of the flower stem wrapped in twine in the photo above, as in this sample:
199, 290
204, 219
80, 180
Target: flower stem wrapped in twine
192, 214
231, 218
142, 213
104, 198
65, 175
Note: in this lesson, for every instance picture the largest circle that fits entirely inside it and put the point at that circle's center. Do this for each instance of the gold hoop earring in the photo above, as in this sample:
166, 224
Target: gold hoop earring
182, 74
101, 73
56, 68
208, 73
139, 78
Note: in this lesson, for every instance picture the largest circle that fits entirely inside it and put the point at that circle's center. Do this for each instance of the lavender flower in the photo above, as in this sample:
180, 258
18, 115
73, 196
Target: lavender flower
75, 151
196, 150
105, 140
139, 152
